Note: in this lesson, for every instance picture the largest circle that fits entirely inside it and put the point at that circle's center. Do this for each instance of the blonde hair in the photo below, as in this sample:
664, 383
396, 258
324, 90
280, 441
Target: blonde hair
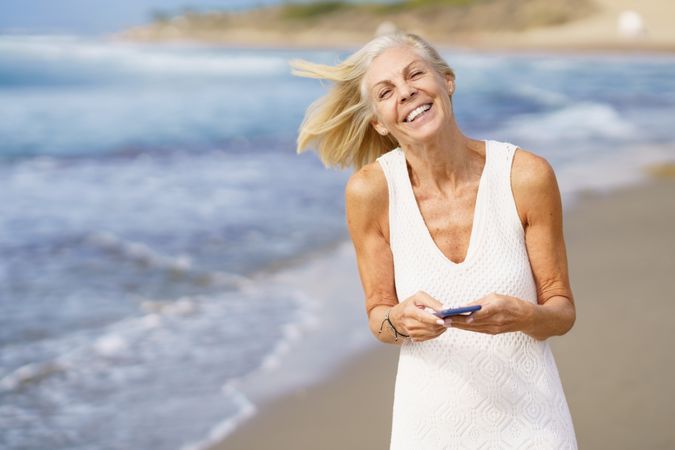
338, 123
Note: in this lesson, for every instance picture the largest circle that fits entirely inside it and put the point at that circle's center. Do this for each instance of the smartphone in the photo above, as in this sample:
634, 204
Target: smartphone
457, 311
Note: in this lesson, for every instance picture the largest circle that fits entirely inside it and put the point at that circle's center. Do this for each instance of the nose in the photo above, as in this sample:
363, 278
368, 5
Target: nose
407, 91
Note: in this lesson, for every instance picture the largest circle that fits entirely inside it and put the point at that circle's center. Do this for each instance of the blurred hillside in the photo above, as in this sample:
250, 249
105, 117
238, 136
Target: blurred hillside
579, 24
340, 21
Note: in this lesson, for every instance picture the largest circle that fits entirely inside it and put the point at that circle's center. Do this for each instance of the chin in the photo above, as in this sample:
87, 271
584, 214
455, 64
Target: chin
427, 133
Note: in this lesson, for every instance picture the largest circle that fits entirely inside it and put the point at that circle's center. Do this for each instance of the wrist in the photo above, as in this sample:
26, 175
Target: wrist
395, 328
388, 322
391, 313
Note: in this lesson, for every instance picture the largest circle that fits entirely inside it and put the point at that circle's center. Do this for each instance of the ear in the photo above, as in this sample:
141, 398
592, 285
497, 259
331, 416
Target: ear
378, 126
450, 82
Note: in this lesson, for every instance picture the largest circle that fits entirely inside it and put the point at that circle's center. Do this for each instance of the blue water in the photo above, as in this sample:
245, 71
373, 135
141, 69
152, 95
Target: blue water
144, 188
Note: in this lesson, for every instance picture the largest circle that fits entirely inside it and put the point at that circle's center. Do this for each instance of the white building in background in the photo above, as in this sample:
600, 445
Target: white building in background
630, 25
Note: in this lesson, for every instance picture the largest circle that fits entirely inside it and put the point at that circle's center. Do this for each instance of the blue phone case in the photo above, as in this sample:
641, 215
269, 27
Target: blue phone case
455, 311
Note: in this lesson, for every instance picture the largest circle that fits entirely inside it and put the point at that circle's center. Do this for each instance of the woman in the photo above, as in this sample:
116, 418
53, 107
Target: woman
439, 219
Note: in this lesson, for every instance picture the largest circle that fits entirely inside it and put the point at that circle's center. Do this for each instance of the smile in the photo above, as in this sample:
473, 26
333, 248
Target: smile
417, 112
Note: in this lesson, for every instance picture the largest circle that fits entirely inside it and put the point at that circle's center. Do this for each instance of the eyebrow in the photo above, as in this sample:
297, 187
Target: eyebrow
404, 69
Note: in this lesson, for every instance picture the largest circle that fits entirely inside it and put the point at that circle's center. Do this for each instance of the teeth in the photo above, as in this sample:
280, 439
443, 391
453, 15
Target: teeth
416, 112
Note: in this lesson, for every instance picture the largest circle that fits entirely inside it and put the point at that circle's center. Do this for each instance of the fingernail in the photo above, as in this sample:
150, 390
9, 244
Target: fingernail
448, 323
469, 320
440, 322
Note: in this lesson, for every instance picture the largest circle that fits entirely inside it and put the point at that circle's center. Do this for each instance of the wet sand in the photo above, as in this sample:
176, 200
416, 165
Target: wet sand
616, 364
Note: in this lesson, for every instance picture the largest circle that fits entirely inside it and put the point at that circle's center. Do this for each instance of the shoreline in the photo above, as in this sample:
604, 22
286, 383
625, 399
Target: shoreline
351, 408
488, 47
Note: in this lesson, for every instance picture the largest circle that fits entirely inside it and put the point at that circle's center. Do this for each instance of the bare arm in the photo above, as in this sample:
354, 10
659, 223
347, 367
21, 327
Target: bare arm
537, 197
367, 205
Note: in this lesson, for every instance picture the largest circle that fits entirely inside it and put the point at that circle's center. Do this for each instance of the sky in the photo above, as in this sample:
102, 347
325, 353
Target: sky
90, 17
96, 17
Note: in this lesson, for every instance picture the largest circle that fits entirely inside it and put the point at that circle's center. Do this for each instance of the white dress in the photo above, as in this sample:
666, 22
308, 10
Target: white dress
464, 389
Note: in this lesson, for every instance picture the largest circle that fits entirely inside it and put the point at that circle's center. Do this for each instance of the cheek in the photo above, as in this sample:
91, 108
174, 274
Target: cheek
447, 105
381, 115
390, 111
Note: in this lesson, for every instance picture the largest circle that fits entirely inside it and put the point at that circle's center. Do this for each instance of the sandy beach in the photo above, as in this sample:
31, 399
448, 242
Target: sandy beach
616, 364
596, 31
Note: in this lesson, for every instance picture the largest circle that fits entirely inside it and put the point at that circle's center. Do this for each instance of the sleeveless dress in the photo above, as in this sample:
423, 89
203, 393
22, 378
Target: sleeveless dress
464, 389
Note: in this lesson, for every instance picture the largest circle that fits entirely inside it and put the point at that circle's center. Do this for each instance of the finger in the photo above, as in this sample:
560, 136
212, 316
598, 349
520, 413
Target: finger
463, 318
467, 319
456, 321
417, 327
424, 299
482, 302
429, 318
425, 336
422, 315
484, 311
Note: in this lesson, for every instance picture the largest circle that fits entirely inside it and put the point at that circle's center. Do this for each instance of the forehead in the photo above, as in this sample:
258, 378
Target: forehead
390, 63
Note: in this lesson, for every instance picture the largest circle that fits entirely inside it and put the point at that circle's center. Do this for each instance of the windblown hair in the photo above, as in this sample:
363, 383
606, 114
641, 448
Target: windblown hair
338, 123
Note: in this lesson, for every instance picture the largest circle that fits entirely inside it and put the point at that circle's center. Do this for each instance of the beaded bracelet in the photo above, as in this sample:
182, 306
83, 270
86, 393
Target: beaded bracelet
391, 325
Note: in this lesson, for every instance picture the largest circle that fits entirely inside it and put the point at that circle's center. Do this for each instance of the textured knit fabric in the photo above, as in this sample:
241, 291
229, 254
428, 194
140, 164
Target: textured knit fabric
464, 389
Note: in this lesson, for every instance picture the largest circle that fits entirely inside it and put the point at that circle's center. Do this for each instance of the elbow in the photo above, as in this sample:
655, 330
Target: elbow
377, 336
560, 323
570, 317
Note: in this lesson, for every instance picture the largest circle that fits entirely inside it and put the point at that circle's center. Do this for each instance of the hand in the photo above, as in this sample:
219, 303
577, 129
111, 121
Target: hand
409, 317
498, 314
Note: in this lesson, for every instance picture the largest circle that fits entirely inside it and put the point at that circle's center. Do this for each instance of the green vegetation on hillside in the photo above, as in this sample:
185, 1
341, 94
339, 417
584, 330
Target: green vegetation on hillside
292, 10
404, 5
311, 10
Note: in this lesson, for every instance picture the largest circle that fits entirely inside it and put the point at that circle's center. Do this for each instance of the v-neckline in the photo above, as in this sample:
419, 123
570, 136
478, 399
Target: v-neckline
477, 215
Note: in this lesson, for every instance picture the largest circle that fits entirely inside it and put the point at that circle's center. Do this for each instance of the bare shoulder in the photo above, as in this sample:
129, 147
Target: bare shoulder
531, 169
366, 195
534, 185
367, 186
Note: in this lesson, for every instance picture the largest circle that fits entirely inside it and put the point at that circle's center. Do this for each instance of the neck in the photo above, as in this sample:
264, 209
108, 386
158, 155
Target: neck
446, 161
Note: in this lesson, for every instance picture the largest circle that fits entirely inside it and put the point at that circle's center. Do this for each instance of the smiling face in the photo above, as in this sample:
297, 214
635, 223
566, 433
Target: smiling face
410, 99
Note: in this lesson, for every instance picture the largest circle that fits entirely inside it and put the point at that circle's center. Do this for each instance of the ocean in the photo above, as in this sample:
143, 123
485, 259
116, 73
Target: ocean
163, 249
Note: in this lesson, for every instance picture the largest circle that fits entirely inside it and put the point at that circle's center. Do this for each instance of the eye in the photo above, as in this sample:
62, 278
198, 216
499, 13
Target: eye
416, 74
383, 93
